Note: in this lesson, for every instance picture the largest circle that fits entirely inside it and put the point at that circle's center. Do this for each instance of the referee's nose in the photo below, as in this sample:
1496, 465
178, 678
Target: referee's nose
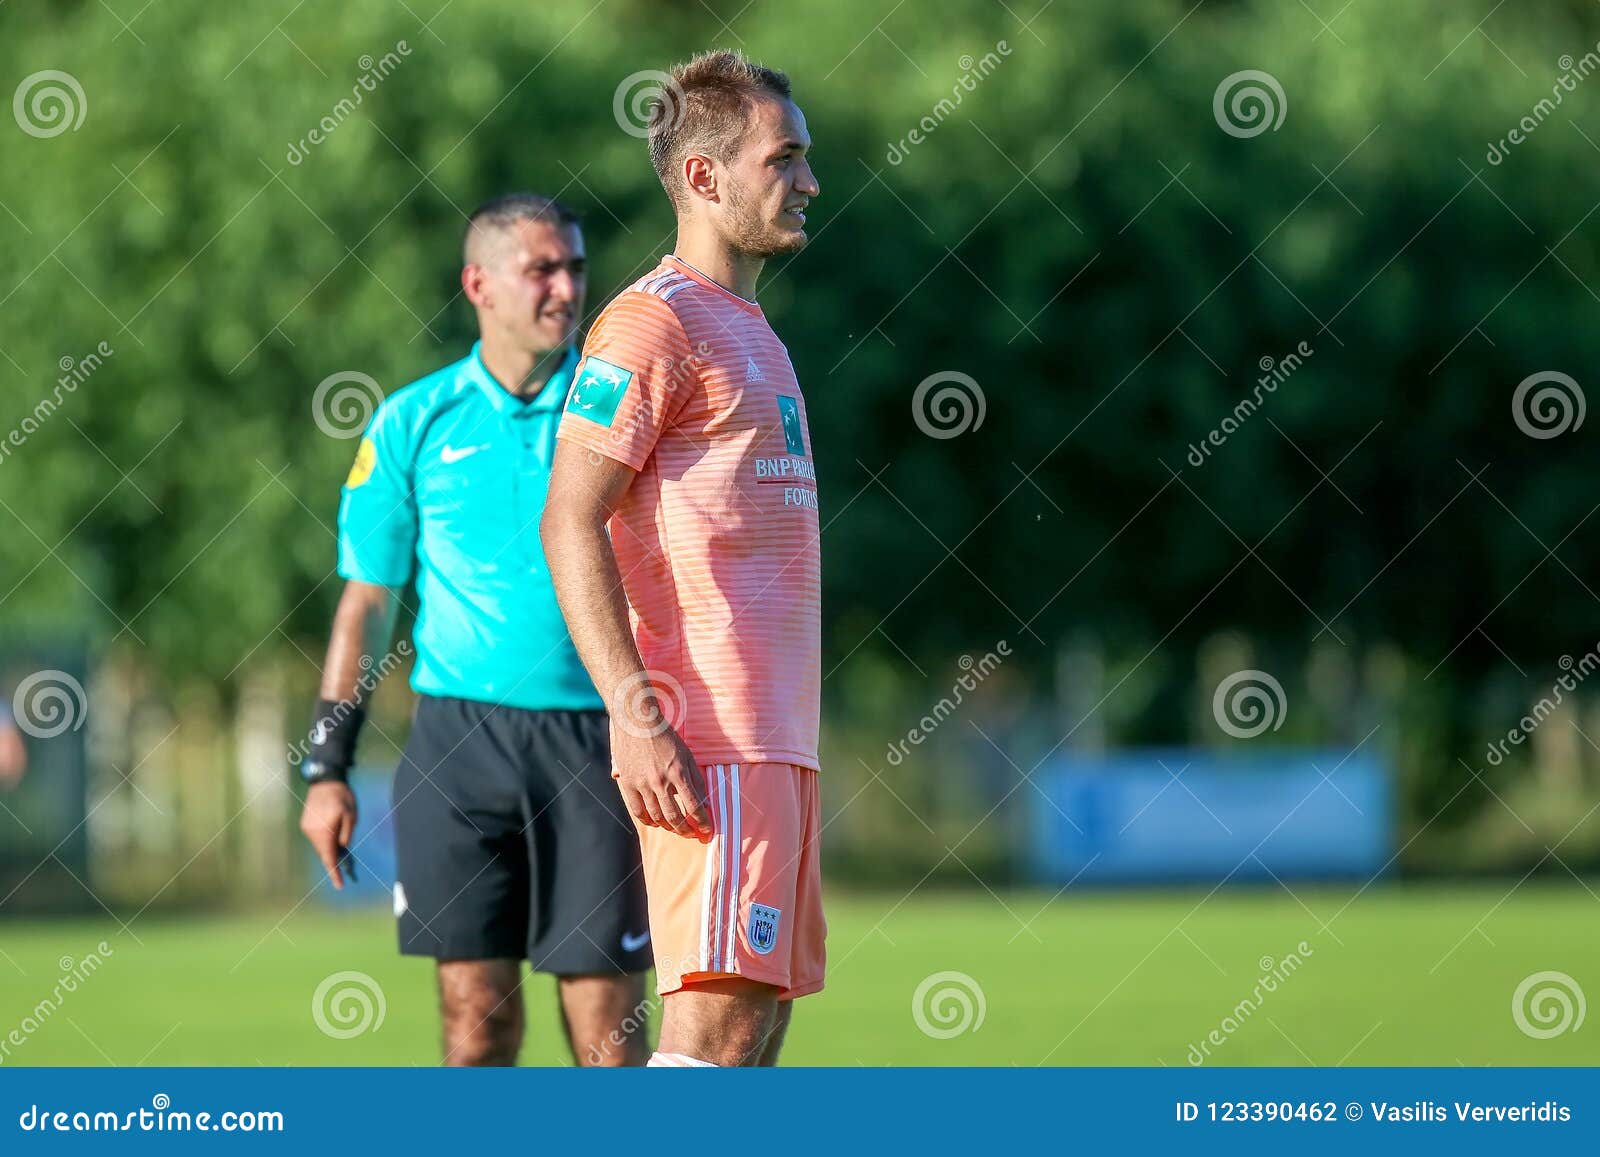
564, 287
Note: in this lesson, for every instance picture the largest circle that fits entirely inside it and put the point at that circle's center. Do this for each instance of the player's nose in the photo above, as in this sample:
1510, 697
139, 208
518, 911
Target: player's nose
805, 180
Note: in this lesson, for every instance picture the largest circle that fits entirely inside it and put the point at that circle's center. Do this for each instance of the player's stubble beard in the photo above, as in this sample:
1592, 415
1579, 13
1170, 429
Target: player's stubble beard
750, 232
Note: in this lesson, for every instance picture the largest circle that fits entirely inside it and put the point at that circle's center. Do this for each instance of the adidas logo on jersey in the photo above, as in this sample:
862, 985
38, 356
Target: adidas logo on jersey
752, 371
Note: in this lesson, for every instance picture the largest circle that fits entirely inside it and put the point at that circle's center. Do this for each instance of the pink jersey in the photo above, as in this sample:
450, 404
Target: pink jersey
717, 538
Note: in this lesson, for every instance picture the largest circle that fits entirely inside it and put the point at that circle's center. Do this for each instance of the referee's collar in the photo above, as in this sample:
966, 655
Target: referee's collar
551, 397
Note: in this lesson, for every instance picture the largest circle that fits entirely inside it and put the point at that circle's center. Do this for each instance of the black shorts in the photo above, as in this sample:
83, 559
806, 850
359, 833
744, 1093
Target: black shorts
512, 841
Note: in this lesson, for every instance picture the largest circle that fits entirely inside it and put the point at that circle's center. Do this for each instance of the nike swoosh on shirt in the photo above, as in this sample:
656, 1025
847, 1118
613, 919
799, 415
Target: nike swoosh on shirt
632, 943
450, 454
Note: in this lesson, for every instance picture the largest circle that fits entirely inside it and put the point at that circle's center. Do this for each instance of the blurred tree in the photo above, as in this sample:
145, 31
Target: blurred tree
1075, 231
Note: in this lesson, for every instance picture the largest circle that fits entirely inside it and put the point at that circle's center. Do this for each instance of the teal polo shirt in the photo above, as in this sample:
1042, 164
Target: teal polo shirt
448, 485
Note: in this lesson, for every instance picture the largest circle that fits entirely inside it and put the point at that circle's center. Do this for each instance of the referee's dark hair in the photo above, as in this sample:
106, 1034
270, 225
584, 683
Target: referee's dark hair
507, 209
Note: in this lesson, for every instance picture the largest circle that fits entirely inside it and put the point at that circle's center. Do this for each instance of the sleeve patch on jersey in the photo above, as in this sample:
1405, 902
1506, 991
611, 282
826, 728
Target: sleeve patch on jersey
361, 468
598, 390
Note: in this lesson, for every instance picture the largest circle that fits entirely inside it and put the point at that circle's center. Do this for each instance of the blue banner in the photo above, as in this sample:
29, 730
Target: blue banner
803, 1111
1188, 815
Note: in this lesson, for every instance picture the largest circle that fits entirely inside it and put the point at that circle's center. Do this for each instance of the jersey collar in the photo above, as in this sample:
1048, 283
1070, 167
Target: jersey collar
552, 397
673, 261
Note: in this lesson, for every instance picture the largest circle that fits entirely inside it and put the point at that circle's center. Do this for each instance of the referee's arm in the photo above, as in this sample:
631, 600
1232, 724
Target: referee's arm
377, 541
362, 628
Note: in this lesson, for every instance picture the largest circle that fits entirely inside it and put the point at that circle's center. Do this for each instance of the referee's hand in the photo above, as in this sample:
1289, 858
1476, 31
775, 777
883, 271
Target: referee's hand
661, 784
328, 821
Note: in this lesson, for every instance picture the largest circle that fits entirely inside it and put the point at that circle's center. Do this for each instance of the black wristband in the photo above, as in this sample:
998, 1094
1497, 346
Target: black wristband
334, 730
314, 772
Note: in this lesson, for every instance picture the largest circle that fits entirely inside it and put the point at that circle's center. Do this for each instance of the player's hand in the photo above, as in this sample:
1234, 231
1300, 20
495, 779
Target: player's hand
661, 784
328, 821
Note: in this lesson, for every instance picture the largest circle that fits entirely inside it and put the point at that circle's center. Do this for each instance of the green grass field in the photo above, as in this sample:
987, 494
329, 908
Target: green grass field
1403, 975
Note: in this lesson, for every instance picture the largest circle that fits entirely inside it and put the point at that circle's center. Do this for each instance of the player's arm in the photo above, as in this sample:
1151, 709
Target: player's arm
363, 624
657, 774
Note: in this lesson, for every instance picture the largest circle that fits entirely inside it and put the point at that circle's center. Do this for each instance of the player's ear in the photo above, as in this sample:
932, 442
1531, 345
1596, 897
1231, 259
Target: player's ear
700, 176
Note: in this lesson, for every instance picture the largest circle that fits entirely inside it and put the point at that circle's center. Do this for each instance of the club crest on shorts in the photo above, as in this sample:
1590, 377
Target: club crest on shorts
763, 928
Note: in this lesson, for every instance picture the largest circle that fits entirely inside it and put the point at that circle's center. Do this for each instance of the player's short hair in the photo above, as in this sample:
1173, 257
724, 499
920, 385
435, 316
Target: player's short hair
705, 109
509, 208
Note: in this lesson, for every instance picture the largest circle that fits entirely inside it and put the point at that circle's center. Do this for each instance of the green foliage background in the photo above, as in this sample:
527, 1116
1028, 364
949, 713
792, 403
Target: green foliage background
1079, 236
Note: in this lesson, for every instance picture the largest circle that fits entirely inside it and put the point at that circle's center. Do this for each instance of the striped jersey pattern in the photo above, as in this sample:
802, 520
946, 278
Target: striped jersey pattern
718, 537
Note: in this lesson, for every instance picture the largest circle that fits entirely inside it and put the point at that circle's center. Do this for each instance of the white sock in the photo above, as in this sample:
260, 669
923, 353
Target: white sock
676, 1061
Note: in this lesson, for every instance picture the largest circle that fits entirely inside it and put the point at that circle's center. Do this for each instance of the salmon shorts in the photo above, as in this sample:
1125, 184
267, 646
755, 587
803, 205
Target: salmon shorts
748, 902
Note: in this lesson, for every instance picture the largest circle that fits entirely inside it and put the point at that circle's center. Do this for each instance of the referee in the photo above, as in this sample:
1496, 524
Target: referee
512, 840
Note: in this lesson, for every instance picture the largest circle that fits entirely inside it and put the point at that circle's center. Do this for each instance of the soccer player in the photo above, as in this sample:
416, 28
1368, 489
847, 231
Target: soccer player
511, 840
698, 615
